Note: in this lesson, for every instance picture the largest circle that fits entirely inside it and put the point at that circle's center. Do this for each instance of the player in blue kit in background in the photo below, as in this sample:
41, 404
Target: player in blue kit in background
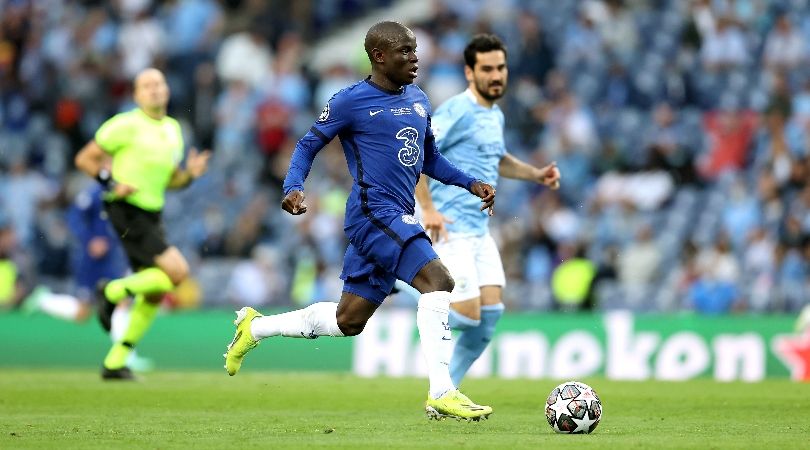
96, 255
384, 127
469, 132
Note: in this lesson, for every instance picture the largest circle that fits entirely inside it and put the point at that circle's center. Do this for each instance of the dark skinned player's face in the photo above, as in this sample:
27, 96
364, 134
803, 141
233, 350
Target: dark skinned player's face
400, 63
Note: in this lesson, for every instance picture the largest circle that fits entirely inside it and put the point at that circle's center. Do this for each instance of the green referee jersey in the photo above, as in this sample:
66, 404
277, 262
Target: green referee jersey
145, 153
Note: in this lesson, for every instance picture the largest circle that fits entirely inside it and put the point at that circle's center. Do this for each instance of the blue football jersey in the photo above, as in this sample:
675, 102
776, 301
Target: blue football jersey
387, 140
86, 220
471, 137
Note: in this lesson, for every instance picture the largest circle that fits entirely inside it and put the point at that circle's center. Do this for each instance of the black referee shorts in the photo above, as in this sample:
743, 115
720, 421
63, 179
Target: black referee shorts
141, 232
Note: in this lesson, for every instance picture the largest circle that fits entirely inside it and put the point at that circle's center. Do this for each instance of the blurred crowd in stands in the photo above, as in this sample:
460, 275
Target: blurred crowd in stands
681, 128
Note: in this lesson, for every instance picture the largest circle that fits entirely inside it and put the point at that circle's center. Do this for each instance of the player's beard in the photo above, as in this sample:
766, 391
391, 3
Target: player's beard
483, 90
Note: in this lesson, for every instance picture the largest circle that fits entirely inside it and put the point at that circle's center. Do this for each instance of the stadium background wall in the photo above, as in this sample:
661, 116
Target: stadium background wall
616, 345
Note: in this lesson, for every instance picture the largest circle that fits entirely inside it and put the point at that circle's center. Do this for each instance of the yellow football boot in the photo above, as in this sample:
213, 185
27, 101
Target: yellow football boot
455, 405
242, 342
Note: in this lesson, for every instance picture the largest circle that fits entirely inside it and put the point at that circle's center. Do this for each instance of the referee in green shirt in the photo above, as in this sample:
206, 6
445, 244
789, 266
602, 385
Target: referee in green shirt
136, 156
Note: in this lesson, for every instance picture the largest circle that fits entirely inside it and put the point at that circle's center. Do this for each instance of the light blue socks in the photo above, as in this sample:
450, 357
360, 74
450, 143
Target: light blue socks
460, 322
474, 338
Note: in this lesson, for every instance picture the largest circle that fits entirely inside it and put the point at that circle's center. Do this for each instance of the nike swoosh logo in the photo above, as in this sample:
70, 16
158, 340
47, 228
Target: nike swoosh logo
374, 113
446, 338
235, 338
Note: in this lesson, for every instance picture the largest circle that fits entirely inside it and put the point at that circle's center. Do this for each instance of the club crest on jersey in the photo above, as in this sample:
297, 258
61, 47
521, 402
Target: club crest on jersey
409, 219
461, 283
324, 114
420, 109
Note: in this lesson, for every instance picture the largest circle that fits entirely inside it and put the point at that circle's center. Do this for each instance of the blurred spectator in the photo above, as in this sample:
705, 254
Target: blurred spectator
245, 58
741, 214
571, 280
11, 287
258, 281
22, 193
716, 289
667, 145
533, 57
619, 90
616, 26
235, 113
141, 42
582, 43
725, 47
559, 221
638, 262
759, 268
729, 134
195, 27
642, 191
784, 46
249, 226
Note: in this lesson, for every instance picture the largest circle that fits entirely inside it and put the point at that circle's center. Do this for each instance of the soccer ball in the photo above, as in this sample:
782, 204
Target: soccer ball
573, 407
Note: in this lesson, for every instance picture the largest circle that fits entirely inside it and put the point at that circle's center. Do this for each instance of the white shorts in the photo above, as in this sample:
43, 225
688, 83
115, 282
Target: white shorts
473, 261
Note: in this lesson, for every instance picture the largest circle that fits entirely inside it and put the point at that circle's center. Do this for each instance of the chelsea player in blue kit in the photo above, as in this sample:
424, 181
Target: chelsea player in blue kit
469, 132
384, 126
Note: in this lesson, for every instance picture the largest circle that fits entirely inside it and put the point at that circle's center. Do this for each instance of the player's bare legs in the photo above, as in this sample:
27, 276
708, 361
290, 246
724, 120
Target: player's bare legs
174, 264
353, 312
470, 309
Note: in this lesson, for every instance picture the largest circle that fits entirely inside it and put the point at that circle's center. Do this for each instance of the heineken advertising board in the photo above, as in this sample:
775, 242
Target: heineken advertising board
617, 345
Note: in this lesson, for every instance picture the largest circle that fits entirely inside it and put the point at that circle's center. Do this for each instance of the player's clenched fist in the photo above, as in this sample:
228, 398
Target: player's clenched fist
487, 194
293, 203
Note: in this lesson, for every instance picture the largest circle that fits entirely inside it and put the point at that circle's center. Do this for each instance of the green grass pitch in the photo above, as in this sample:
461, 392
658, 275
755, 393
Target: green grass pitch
199, 410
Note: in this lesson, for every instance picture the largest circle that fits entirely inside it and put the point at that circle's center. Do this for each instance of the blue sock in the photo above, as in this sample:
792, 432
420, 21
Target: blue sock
473, 341
460, 322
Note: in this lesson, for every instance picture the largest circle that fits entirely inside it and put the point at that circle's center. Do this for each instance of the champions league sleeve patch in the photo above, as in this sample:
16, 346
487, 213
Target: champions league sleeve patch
324, 114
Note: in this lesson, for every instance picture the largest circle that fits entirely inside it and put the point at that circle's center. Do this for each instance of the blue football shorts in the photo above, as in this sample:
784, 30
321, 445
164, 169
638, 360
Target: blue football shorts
382, 250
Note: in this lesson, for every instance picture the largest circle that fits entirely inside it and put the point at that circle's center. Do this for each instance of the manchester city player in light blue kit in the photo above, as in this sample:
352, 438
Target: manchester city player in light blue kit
384, 126
469, 132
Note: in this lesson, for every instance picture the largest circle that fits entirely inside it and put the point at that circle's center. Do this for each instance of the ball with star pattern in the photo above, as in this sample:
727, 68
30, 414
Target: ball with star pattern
573, 408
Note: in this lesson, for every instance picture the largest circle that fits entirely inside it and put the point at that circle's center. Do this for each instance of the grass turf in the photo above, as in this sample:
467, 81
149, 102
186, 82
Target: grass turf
199, 410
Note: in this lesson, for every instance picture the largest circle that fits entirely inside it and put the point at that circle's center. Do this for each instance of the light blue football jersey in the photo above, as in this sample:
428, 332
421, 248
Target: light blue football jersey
471, 137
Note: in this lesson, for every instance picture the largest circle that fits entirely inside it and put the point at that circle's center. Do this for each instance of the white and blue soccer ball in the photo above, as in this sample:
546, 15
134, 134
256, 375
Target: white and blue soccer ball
573, 407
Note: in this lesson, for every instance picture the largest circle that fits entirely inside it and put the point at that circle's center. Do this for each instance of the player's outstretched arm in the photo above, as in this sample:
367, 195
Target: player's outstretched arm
511, 167
196, 166
433, 220
293, 203
486, 193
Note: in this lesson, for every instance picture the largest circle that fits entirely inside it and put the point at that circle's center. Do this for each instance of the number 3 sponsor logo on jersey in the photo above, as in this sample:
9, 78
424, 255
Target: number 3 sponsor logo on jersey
408, 155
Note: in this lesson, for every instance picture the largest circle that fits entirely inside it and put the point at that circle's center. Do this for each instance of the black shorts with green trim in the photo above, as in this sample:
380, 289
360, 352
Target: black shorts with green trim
141, 232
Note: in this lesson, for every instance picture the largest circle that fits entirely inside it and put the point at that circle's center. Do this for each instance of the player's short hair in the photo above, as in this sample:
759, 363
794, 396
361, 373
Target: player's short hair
482, 43
383, 35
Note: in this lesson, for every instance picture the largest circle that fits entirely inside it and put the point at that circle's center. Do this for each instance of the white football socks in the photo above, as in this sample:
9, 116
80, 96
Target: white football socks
61, 306
119, 322
435, 339
317, 319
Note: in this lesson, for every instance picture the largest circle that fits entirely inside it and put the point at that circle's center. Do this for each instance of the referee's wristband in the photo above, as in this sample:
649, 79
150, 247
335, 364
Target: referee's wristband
104, 178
